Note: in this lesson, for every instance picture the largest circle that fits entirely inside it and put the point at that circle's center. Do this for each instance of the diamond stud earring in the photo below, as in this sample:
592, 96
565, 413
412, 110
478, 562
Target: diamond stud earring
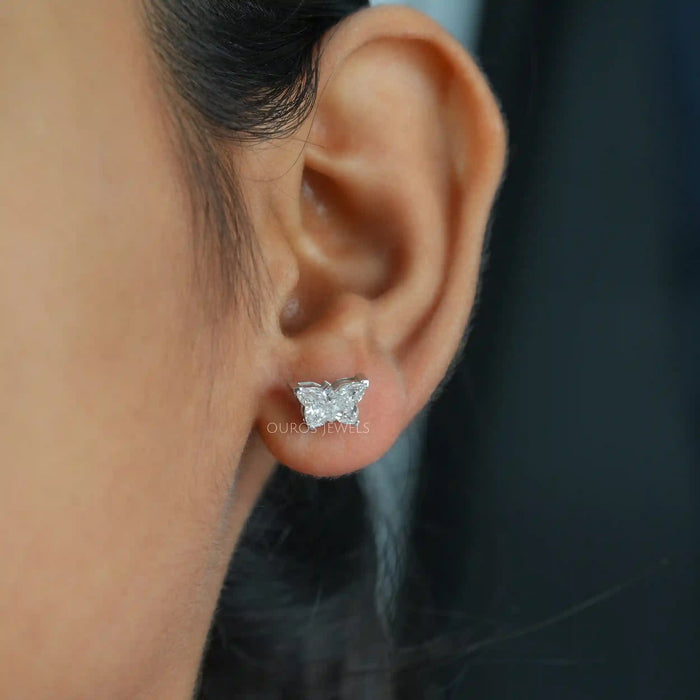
326, 402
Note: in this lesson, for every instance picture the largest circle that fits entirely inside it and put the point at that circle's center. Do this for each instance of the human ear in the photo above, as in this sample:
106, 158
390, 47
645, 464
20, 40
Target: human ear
379, 221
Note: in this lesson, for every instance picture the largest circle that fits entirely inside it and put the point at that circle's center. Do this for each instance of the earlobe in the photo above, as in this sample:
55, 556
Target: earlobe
402, 159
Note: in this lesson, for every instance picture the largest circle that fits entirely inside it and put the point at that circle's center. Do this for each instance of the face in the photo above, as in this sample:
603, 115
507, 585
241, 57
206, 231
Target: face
134, 432
118, 452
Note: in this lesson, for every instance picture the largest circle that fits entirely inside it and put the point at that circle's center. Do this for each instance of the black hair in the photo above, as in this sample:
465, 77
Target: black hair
235, 70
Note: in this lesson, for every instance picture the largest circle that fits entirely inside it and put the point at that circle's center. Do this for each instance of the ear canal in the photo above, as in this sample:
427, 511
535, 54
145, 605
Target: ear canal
347, 248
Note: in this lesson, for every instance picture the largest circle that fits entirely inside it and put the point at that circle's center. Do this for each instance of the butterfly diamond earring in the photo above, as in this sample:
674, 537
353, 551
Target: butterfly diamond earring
326, 402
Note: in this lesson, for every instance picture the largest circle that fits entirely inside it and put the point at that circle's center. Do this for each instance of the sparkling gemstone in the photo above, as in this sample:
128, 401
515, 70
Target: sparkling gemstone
325, 403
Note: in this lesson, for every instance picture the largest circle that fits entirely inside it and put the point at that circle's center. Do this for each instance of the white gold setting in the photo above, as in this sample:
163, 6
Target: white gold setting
328, 403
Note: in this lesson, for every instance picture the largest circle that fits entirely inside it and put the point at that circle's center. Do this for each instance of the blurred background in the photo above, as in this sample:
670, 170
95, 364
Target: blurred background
555, 507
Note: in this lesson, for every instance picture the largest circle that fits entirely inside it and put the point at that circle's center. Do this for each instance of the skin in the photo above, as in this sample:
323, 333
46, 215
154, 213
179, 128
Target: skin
135, 433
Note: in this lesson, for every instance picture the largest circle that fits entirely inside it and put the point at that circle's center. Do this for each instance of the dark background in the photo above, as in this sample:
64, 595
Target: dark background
559, 503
